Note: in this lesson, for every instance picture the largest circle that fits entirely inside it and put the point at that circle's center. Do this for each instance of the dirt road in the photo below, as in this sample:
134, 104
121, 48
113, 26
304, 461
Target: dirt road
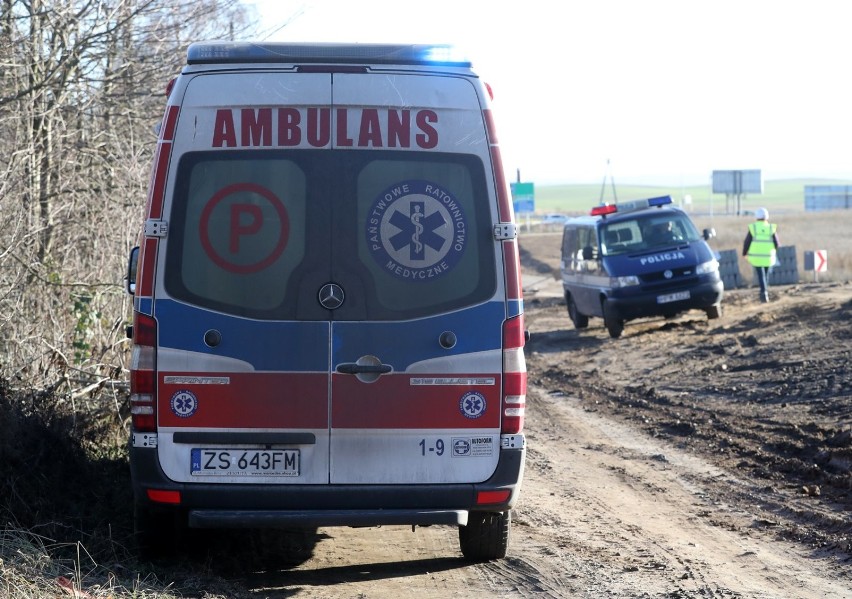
686, 459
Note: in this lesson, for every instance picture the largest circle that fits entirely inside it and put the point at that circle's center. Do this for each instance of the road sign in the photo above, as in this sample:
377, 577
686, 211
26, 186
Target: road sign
523, 197
821, 261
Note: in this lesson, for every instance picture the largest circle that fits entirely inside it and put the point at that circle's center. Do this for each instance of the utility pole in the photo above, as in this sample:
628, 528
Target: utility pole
608, 173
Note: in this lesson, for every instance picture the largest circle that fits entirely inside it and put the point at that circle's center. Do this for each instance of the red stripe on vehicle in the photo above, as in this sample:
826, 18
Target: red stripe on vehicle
392, 402
488, 115
147, 266
169, 123
513, 269
249, 400
158, 187
504, 203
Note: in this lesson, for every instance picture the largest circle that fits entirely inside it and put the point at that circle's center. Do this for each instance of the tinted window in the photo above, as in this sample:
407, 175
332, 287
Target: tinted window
647, 231
257, 233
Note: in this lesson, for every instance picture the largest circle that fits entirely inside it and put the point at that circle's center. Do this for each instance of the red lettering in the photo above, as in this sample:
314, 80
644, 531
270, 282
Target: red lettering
371, 130
399, 129
319, 127
238, 228
343, 140
289, 133
429, 138
224, 132
313, 125
256, 127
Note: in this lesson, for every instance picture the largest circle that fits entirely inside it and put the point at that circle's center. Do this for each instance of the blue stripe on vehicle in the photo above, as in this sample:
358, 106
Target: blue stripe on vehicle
515, 308
266, 345
143, 305
403, 343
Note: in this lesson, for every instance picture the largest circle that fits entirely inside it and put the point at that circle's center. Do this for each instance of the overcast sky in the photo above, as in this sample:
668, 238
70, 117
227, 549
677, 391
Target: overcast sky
665, 90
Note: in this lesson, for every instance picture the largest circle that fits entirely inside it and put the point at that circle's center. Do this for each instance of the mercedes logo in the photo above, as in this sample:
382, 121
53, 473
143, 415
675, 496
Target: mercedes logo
668, 274
331, 296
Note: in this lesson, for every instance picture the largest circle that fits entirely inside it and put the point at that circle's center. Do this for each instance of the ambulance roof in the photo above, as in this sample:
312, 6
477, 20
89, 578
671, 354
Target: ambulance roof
220, 52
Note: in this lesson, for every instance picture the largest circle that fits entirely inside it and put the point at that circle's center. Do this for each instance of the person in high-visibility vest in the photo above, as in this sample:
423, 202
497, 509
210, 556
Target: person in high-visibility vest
760, 247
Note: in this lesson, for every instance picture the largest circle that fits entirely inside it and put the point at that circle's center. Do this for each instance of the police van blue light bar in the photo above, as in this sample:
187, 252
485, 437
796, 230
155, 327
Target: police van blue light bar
219, 52
630, 206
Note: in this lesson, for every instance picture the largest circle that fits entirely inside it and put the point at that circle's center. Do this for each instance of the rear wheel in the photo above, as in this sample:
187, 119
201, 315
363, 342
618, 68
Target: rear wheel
156, 532
614, 324
581, 321
486, 536
714, 311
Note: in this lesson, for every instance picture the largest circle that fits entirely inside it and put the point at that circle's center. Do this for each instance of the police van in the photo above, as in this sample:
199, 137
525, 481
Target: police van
327, 313
637, 259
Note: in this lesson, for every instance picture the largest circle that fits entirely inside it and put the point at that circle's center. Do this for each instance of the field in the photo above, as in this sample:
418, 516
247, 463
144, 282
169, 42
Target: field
807, 231
780, 196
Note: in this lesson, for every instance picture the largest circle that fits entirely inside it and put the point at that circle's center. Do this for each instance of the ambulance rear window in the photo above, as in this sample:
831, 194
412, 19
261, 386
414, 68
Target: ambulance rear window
258, 233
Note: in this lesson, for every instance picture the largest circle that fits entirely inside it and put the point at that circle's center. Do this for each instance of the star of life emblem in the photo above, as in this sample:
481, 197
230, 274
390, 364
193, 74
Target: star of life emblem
416, 230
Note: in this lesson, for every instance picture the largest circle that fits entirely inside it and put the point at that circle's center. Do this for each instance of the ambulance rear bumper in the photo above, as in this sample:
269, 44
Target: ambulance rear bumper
318, 518
279, 506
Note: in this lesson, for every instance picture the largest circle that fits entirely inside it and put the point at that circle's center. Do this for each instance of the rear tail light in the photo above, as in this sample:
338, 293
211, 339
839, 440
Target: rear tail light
143, 376
514, 376
161, 496
492, 497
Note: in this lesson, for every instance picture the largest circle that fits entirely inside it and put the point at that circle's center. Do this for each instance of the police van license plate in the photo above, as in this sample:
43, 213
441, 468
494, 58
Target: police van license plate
672, 297
245, 462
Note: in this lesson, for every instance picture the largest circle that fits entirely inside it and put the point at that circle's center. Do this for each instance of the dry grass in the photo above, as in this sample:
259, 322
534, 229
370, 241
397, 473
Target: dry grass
808, 231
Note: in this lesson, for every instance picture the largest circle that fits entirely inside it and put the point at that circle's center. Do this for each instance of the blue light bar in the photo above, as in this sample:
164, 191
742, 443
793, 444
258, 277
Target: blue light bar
218, 52
660, 201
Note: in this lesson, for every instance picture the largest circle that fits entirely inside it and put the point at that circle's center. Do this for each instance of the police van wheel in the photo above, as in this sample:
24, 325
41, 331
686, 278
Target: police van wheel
581, 321
486, 536
613, 324
714, 311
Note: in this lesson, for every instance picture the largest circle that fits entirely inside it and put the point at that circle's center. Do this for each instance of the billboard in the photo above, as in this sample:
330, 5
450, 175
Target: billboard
737, 182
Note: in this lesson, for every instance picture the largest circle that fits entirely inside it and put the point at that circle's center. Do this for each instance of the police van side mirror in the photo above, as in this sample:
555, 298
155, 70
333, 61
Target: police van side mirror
588, 253
132, 265
709, 234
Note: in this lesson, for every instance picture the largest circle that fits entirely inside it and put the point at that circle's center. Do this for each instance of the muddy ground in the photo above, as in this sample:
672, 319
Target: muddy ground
688, 458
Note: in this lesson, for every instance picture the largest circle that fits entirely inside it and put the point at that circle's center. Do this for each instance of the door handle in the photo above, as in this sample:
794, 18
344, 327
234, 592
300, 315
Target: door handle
355, 368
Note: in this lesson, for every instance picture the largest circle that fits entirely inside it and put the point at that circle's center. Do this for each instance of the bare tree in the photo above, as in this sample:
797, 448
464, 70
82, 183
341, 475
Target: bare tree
81, 86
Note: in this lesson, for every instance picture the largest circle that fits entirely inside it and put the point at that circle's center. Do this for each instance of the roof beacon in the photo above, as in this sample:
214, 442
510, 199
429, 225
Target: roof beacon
630, 206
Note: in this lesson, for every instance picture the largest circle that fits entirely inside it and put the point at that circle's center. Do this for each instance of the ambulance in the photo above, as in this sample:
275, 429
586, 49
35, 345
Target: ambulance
327, 312
638, 259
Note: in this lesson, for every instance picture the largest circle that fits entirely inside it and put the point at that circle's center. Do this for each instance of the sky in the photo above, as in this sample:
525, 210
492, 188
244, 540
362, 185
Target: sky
658, 92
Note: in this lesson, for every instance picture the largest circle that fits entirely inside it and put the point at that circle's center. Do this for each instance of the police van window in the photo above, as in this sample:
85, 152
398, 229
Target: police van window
588, 243
620, 237
425, 234
237, 231
570, 245
667, 228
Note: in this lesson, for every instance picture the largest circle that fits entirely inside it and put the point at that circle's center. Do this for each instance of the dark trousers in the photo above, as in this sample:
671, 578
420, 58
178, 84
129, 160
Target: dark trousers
763, 280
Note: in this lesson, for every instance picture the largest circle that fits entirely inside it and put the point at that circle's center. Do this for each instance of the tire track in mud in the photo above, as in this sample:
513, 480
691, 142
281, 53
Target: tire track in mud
638, 516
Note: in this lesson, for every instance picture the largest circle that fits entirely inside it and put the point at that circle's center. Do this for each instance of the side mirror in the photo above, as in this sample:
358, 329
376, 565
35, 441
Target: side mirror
709, 234
132, 265
588, 253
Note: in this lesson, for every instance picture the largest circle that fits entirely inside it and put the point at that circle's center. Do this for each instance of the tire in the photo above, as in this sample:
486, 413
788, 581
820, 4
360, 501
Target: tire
486, 536
614, 325
581, 321
714, 311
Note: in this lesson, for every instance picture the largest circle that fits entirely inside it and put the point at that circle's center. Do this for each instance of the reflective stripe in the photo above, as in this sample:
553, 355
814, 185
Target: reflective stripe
761, 251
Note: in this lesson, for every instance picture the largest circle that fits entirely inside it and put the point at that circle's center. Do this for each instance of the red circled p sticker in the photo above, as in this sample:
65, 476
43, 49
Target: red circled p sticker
239, 229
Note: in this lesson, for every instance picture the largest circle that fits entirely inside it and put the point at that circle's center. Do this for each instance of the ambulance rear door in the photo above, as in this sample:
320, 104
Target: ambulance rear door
416, 293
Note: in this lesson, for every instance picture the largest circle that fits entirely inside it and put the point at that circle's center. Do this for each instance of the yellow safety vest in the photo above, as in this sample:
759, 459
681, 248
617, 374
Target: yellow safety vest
761, 251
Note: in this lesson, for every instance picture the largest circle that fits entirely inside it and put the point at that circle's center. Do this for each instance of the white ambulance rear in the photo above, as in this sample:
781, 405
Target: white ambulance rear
328, 321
